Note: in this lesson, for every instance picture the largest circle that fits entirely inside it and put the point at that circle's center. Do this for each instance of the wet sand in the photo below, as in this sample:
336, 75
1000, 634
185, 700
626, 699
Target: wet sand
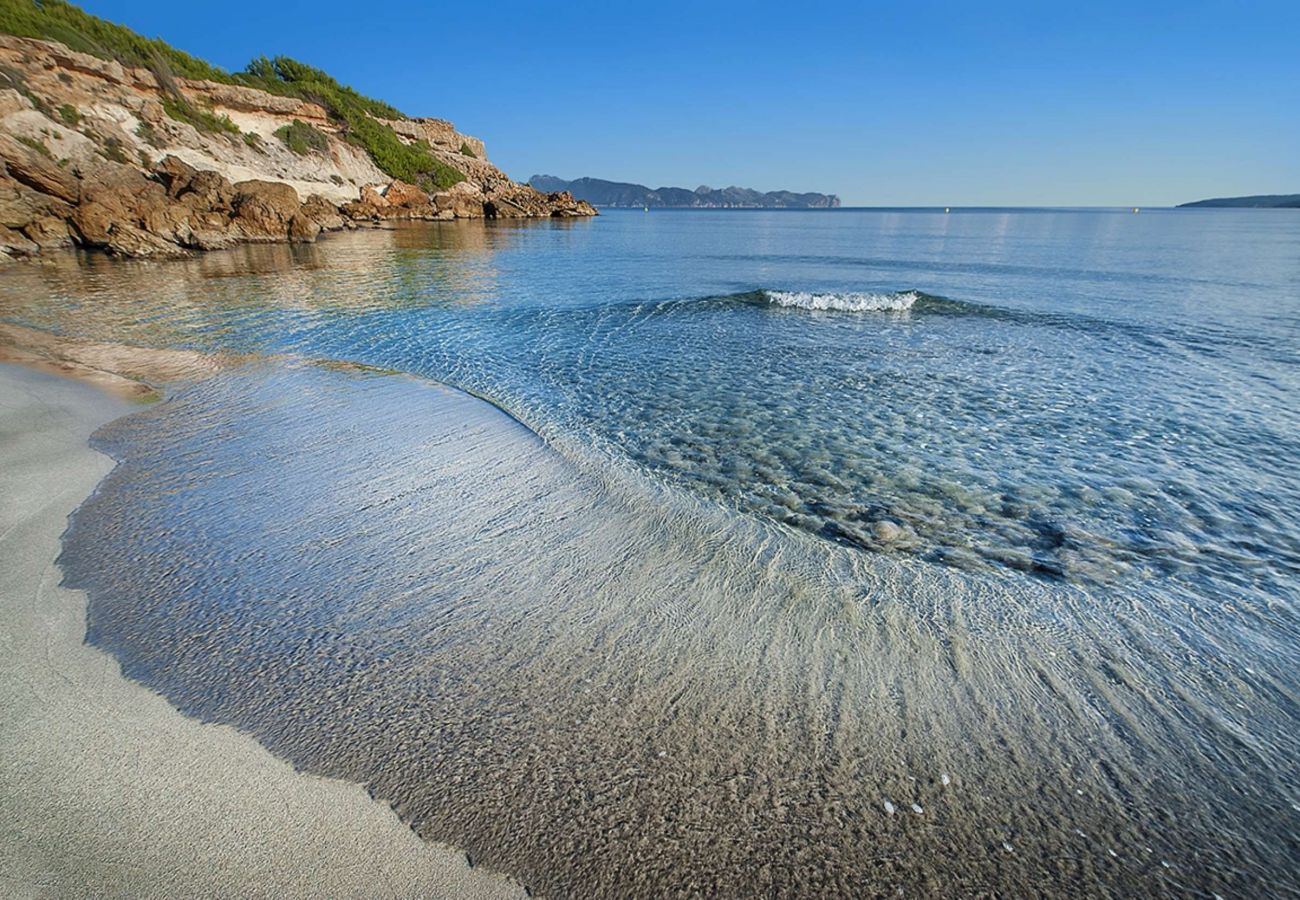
106, 789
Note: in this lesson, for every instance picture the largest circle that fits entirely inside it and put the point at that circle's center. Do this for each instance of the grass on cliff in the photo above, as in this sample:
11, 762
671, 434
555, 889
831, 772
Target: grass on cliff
56, 20
356, 113
302, 138
180, 109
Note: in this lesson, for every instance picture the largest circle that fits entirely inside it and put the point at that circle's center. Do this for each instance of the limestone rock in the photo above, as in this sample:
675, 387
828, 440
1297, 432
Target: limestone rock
399, 193
28, 167
372, 197
263, 209
462, 200
324, 213
175, 174
303, 229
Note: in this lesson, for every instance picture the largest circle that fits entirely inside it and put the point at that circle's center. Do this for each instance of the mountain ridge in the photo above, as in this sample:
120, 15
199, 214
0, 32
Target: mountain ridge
615, 194
1253, 201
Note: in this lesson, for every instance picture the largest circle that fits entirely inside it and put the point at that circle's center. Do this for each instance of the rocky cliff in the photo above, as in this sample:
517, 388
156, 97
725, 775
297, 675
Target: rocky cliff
141, 162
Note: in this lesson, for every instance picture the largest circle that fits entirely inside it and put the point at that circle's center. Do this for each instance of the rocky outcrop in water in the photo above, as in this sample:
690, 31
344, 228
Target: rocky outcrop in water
98, 155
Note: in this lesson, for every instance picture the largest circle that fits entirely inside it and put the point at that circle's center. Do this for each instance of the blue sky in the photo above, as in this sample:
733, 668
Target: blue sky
893, 104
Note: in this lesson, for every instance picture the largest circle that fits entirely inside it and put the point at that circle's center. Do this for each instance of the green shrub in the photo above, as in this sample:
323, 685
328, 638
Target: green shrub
253, 139
182, 110
302, 138
147, 133
115, 150
357, 115
57, 20
466, 151
36, 145
68, 113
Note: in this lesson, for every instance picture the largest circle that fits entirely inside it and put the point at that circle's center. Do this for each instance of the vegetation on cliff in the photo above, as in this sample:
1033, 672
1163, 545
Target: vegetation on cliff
356, 115
301, 138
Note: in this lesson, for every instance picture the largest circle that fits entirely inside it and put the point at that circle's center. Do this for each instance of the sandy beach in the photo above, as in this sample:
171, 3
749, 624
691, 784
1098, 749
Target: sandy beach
107, 790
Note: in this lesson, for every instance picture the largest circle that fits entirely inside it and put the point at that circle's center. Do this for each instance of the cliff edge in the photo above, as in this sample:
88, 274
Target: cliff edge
139, 160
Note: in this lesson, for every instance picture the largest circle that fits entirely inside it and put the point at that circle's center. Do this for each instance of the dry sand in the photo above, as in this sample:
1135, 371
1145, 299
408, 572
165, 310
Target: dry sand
107, 790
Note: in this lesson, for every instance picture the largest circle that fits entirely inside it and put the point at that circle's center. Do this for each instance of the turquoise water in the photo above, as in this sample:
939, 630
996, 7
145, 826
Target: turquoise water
775, 529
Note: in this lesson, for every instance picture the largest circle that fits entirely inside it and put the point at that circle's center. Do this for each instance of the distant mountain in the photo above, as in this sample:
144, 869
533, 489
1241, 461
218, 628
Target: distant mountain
599, 192
1259, 201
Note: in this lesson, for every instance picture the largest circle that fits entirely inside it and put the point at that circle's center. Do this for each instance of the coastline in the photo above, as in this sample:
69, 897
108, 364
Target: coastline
110, 790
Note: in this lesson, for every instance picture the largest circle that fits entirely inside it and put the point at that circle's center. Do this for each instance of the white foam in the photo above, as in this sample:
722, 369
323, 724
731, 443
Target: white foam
846, 302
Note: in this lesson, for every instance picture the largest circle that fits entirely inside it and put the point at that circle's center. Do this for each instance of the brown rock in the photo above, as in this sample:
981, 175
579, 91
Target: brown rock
119, 185
399, 193
303, 229
325, 214
28, 167
175, 174
360, 211
128, 240
463, 201
371, 197
20, 205
15, 243
209, 190
263, 209
170, 221
124, 212
49, 232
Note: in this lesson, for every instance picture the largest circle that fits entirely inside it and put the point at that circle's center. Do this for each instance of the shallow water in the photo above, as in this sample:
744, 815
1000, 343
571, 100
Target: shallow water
797, 523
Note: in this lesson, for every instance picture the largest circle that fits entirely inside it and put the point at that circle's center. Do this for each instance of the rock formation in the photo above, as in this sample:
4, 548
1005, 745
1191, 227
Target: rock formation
95, 154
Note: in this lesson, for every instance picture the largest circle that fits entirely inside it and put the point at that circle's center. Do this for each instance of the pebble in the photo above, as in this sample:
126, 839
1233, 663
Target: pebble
887, 531
1007, 847
916, 808
889, 807
946, 780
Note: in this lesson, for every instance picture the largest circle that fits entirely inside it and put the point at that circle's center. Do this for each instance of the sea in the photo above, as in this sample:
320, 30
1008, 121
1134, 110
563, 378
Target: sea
735, 552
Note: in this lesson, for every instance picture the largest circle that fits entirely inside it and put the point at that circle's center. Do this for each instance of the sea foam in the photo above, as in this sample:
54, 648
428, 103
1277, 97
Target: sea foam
847, 302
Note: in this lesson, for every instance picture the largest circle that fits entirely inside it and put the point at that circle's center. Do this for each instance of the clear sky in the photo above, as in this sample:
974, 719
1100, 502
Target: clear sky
916, 103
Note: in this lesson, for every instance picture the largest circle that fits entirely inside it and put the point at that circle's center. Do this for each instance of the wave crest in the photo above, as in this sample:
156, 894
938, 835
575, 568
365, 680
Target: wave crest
846, 302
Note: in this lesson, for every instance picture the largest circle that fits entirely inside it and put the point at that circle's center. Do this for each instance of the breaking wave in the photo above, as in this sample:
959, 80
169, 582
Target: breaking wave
899, 301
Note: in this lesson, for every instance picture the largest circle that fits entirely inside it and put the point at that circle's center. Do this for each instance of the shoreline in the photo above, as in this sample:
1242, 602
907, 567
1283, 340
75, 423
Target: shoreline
108, 789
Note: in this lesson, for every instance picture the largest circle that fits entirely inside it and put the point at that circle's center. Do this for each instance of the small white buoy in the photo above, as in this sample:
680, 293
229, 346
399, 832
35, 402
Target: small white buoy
947, 210
1007, 847
916, 808
663, 753
1135, 209
889, 807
